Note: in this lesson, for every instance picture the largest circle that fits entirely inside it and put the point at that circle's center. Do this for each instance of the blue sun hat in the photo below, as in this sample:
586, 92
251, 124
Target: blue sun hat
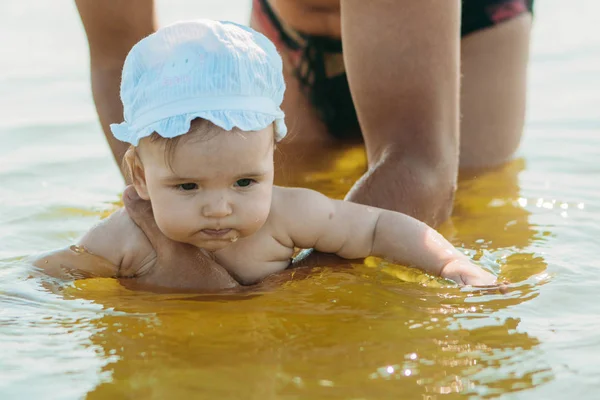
223, 72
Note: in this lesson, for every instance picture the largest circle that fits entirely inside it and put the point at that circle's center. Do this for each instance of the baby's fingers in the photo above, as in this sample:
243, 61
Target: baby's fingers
488, 283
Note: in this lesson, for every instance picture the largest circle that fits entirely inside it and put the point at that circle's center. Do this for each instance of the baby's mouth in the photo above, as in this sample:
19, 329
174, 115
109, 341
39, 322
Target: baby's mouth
216, 232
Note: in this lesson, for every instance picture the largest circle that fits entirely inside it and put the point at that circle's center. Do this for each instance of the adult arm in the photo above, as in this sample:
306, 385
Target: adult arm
128, 244
402, 60
112, 28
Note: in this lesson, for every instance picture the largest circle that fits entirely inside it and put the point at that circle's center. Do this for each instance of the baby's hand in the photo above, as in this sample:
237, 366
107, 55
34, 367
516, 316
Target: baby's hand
464, 272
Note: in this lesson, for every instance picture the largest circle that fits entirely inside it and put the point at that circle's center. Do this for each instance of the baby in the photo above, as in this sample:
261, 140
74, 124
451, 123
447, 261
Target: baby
202, 112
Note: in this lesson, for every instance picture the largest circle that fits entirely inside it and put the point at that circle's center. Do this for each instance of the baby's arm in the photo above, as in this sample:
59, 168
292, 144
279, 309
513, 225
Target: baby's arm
356, 231
112, 248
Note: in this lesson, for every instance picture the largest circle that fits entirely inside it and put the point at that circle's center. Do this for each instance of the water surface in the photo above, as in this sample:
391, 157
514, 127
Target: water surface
366, 331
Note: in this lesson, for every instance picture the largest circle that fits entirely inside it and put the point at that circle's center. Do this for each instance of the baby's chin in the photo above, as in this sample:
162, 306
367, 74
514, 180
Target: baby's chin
216, 244
213, 245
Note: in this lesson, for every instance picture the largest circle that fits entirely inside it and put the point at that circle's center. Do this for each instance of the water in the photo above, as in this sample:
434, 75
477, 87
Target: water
368, 331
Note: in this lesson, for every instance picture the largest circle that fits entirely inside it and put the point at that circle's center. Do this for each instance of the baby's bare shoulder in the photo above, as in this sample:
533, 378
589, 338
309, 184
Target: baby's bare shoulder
294, 204
119, 240
298, 215
284, 206
290, 199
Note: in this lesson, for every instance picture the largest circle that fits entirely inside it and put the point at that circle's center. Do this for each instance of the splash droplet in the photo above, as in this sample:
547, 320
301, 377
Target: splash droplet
78, 249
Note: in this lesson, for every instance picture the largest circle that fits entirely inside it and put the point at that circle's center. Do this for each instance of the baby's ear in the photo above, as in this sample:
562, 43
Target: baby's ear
135, 169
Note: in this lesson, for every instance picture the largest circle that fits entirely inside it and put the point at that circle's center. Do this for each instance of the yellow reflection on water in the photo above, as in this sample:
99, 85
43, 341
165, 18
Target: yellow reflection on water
371, 330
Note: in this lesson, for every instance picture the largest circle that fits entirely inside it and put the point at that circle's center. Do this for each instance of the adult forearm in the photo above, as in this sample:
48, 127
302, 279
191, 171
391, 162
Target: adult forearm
410, 186
105, 90
112, 28
405, 86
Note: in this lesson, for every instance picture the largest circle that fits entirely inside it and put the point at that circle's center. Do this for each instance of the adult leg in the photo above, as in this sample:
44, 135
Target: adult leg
493, 92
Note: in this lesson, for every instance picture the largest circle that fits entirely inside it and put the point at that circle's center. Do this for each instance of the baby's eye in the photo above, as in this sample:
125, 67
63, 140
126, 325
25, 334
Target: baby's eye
244, 182
187, 186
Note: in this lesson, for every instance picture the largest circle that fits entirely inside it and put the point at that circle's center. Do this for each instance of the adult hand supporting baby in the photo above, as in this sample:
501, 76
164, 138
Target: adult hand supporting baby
170, 253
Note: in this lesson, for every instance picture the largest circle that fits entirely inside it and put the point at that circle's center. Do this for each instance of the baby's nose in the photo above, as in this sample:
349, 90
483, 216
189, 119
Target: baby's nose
217, 208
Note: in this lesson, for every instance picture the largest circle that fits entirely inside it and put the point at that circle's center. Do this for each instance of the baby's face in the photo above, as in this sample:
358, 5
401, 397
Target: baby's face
217, 189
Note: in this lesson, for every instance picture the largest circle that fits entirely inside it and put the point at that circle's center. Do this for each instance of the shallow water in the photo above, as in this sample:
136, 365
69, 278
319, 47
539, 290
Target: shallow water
367, 331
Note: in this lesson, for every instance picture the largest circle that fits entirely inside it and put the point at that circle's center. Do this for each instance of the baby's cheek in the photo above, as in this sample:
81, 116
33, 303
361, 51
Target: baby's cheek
170, 222
255, 217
